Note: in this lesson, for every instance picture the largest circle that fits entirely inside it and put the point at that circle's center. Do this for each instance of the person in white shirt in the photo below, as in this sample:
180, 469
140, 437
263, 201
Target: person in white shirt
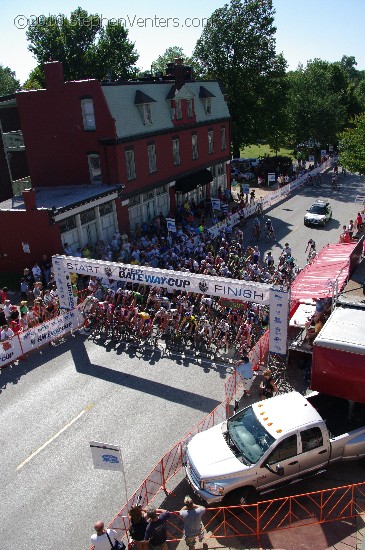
103, 539
6, 333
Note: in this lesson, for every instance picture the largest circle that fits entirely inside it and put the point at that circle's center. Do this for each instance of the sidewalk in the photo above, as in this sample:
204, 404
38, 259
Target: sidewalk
347, 534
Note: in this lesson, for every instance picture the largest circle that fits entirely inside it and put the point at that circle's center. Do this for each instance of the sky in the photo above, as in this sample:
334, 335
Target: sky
306, 29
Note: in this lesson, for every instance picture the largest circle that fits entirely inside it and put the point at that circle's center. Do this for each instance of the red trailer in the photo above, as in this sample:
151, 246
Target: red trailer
338, 366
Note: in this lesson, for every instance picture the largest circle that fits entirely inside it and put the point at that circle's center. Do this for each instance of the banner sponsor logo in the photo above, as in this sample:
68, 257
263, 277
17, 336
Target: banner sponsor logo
279, 321
46, 332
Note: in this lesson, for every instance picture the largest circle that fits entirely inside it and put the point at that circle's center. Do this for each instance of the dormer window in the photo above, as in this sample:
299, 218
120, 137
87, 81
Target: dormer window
143, 102
147, 113
178, 109
206, 96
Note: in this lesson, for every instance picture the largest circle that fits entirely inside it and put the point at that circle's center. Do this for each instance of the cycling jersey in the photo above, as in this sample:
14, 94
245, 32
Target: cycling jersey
144, 315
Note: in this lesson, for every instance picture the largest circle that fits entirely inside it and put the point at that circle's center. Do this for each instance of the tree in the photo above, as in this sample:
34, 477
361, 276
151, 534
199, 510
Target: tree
317, 105
85, 47
352, 146
169, 56
237, 46
8, 82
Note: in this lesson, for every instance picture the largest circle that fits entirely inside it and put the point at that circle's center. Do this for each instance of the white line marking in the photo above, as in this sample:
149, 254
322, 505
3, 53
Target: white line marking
87, 408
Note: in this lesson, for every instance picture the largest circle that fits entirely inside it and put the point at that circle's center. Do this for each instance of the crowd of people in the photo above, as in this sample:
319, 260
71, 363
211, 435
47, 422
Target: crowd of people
148, 528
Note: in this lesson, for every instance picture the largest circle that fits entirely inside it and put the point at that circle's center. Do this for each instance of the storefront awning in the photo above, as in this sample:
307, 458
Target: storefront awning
191, 182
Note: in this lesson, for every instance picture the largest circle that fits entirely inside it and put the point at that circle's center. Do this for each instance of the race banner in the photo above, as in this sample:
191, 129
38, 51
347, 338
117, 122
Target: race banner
279, 321
50, 330
10, 350
172, 280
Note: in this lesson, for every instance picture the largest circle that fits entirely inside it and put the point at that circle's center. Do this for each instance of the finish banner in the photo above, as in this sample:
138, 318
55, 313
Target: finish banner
163, 278
10, 350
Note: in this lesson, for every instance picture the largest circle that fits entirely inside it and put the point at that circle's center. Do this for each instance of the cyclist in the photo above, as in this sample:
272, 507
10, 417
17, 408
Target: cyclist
310, 244
269, 260
269, 230
205, 329
256, 228
286, 253
222, 333
143, 324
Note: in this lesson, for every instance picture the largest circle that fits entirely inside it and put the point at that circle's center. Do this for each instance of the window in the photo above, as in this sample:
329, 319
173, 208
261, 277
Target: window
106, 208
152, 166
134, 201
210, 142
67, 224
87, 108
178, 109
190, 108
94, 168
87, 216
285, 449
147, 114
208, 105
194, 144
131, 167
176, 151
223, 138
311, 439
220, 171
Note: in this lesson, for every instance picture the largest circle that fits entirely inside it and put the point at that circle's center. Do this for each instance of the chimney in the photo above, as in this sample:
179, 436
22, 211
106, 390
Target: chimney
53, 71
30, 199
179, 73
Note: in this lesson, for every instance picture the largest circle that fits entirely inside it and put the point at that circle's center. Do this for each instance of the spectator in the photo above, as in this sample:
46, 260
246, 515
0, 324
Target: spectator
191, 514
67, 249
268, 386
23, 288
244, 369
37, 273
103, 539
138, 527
156, 533
6, 333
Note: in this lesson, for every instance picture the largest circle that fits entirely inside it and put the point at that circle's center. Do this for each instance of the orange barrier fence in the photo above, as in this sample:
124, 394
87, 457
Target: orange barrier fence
268, 516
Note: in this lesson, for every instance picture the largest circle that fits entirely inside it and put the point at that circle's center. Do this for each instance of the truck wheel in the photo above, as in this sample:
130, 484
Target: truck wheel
242, 496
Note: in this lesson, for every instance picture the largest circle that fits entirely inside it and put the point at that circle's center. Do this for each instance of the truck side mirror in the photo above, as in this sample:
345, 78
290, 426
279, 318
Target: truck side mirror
279, 470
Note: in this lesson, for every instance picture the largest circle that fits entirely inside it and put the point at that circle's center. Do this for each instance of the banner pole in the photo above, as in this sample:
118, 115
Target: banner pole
124, 476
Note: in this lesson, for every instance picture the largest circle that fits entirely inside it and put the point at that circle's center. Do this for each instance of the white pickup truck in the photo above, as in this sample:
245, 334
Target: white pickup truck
272, 443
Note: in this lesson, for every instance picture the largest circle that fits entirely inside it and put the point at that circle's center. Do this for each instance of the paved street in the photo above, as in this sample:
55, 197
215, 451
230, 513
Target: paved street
61, 398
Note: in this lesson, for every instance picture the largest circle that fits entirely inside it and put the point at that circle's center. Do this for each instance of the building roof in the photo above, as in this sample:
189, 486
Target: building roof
141, 97
128, 120
62, 198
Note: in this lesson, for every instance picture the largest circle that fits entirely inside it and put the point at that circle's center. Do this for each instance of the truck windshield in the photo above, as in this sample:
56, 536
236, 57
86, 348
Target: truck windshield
248, 435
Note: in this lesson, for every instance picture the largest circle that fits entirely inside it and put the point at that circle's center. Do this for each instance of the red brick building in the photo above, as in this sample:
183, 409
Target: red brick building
81, 143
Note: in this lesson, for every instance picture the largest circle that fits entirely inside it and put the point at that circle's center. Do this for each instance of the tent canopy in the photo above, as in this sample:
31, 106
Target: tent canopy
317, 278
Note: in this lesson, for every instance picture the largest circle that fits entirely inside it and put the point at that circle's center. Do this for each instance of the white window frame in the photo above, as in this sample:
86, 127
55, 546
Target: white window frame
210, 141
190, 108
223, 138
178, 109
147, 114
176, 151
152, 164
90, 159
88, 115
130, 164
194, 146
208, 105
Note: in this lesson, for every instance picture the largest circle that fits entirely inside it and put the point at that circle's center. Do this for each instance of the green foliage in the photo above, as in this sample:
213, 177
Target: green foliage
85, 47
317, 102
169, 56
352, 146
8, 82
237, 47
35, 80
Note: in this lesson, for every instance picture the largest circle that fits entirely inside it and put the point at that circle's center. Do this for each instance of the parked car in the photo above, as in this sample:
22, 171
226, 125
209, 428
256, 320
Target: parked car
272, 443
318, 214
240, 176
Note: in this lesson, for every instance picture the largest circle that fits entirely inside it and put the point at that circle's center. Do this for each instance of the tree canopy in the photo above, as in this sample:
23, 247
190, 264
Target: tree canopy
86, 48
237, 46
352, 146
8, 82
